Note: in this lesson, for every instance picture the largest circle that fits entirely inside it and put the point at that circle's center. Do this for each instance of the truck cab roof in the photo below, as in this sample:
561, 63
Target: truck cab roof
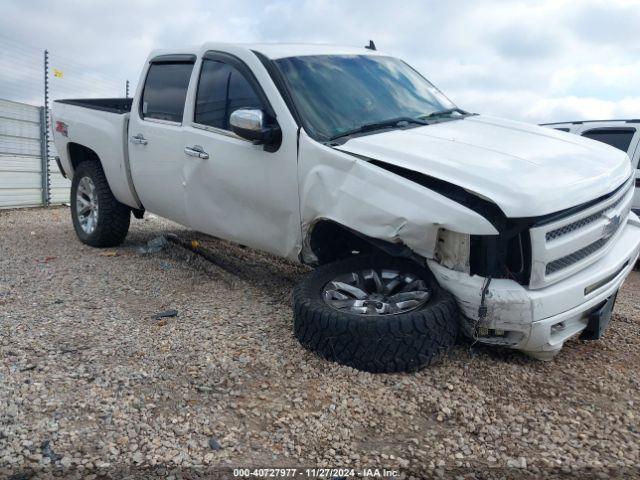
580, 122
272, 51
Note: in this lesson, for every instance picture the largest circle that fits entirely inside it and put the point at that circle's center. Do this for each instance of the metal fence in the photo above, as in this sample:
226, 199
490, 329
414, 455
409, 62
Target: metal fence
30, 79
23, 179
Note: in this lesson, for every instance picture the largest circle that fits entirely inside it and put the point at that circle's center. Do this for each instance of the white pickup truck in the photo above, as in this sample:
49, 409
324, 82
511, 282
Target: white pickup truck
423, 219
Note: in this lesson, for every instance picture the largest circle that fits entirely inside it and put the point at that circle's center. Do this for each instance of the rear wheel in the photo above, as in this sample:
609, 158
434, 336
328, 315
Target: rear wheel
98, 218
375, 313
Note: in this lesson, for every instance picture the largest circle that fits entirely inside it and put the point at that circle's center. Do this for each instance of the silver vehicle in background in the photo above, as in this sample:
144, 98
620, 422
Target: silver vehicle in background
622, 134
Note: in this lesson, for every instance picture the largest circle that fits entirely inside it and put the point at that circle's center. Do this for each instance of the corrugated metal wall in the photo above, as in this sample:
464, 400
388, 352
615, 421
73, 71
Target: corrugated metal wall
21, 176
20, 155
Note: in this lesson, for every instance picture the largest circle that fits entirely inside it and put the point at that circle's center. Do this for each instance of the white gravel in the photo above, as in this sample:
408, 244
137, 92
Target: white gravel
91, 384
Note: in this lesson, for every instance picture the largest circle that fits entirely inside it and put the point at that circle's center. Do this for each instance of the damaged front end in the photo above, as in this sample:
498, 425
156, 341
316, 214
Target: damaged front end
488, 275
353, 204
469, 265
528, 283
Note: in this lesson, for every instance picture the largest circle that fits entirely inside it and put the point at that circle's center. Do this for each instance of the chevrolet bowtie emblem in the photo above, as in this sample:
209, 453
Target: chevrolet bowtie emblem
611, 227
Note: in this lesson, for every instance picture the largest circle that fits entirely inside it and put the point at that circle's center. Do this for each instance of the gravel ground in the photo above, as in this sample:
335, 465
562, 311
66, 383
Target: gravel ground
92, 384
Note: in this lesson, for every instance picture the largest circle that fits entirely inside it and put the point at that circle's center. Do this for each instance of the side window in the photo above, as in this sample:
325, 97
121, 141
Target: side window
221, 90
616, 137
562, 129
165, 91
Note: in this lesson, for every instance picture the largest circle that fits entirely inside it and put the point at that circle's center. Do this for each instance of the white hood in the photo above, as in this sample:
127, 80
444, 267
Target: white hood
525, 169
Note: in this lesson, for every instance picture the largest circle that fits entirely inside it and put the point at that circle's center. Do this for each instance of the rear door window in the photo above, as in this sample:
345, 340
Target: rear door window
221, 90
165, 91
616, 137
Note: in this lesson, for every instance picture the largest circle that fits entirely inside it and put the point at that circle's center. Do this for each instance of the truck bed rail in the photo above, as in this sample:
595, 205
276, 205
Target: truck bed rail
113, 105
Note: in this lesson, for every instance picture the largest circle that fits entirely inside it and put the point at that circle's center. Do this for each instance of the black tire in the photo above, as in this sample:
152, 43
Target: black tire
382, 343
113, 217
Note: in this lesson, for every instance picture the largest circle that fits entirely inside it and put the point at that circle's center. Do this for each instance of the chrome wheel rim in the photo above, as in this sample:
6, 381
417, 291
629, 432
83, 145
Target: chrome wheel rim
87, 205
376, 292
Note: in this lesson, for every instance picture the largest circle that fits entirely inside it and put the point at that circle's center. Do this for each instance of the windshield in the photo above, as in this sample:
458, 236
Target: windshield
336, 94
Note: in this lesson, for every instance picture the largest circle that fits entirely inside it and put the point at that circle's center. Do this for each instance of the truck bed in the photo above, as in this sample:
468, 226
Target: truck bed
113, 105
99, 125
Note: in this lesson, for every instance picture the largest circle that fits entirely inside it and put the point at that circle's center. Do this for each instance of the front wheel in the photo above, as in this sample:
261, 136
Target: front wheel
375, 313
98, 218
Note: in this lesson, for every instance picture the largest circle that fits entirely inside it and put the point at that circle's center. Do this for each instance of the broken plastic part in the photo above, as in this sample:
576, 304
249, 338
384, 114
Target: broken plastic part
154, 245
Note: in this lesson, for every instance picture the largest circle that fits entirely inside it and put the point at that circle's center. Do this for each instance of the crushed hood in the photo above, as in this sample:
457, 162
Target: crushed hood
525, 169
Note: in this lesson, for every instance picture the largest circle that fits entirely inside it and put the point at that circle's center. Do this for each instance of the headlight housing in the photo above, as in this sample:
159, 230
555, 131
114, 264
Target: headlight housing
506, 255
453, 250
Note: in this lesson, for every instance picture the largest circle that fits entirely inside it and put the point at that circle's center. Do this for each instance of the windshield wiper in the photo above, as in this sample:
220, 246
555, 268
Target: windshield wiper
368, 127
445, 112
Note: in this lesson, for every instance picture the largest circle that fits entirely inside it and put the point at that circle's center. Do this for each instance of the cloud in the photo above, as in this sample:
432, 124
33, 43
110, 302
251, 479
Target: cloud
530, 60
599, 22
516, 42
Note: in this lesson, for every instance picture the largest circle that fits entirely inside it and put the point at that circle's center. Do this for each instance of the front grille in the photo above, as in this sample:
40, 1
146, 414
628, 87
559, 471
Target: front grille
559, 232
575, 257
592, 230
583, 253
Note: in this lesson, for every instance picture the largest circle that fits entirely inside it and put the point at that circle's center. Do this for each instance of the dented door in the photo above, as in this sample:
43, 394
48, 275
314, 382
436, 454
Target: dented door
234, 189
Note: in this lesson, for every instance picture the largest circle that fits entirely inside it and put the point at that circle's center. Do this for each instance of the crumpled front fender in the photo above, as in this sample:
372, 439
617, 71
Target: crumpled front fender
375, 202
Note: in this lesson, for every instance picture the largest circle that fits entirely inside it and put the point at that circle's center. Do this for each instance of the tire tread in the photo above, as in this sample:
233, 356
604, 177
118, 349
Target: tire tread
394, 343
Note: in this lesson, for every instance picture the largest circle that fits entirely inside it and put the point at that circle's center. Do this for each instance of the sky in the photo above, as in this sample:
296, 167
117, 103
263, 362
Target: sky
536, 61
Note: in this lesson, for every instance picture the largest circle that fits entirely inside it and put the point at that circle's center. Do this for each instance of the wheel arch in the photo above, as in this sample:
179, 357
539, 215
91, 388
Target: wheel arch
327, 241
79, 153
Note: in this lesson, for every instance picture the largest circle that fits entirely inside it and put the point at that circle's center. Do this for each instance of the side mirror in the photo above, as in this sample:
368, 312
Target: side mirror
249, 123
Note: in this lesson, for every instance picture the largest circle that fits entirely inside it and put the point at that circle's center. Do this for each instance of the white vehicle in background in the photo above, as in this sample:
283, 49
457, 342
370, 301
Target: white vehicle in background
420, 217
621, 134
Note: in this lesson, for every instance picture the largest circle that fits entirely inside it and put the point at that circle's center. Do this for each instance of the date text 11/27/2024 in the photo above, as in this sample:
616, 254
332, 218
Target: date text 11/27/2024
315, 472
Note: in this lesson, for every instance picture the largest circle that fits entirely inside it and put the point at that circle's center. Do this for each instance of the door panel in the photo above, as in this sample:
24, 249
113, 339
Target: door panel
240, 192
157, 168
156, 140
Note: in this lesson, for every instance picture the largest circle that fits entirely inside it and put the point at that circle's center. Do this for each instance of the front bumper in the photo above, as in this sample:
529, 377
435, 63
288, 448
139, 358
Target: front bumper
539, 321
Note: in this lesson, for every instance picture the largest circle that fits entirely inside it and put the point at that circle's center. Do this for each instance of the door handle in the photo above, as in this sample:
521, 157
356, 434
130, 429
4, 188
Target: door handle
139, 139
196, 151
